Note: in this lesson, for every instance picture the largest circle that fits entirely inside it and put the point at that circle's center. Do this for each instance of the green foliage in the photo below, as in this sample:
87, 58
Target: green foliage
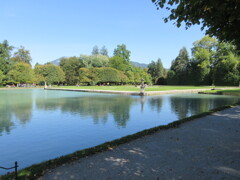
108, 75
94, 76
119, 63
130, 73
94, 60
171, 77
227, 72
22, 55
1, 77
49, 73
220, 18
178, 73
140, 74
122, 52
156, 70
53, 74
21, 73
71, 66
212, 63
39, 74
5, 54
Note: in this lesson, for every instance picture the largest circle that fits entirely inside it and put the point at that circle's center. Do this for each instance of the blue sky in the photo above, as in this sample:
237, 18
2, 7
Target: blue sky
51, 29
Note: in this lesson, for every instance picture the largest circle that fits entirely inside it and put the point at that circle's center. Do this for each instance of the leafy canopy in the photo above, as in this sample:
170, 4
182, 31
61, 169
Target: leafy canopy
122, 52
220, 18
22, 55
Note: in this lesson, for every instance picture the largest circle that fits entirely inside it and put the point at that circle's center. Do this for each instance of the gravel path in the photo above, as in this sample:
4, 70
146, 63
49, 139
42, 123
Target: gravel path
206, 148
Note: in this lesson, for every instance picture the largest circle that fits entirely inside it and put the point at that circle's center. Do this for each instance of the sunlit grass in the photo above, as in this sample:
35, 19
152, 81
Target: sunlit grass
133, 88
235, 92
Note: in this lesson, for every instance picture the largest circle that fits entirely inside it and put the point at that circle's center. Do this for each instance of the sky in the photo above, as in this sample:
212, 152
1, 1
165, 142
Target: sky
51, 29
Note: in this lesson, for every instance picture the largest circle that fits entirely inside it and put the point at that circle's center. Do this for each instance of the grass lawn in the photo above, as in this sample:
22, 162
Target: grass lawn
234, 92
133, 88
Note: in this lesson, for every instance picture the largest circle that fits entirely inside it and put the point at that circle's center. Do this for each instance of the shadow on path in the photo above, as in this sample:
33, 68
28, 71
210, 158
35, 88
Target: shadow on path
206, 148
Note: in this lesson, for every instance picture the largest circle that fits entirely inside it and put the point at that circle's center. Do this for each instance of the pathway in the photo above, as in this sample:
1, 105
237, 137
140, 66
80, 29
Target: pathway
205, 148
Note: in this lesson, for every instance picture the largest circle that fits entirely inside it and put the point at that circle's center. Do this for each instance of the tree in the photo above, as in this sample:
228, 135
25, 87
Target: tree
101, 75
5, 54
171, 77
54, 74
94, 60
156, 70
227, 72
95, 50
39, 74
108, 75
71, 67
49, 73
179, 66
220, 18
1, 77
21, 73
104, 51
122, 52
201, 67
119, 63
22, 55
204, 53
87, 75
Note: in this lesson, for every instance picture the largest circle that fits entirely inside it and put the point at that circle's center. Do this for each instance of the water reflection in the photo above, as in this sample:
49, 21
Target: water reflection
17, 106
186, 105
97, 107
156, 103
14, 105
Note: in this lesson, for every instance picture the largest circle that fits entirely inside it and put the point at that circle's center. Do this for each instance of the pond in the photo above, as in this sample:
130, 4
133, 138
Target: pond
37, 125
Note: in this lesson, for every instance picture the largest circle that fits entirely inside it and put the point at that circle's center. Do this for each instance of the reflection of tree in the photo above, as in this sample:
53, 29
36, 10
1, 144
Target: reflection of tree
156, 103
16, 103
98, 107
5, 122
192, 104
187, 105
21, 106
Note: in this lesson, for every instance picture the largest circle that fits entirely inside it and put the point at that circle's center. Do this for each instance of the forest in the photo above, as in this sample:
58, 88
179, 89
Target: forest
211, 63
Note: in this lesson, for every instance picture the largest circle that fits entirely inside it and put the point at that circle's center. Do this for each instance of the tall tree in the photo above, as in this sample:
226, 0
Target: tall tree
156, 70
204, 53
22, 55
39, 74
53, 74
5, 54
104, 51
227, 72
49, 73
119, 63
21, 73
220, 18
71, 66
95, 50
122, 52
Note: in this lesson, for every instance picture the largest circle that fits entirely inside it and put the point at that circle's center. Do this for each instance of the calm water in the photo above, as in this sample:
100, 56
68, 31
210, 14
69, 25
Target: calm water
38, 125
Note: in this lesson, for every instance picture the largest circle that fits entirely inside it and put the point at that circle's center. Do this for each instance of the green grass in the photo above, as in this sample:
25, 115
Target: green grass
38, 170
133, 88
233, 92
